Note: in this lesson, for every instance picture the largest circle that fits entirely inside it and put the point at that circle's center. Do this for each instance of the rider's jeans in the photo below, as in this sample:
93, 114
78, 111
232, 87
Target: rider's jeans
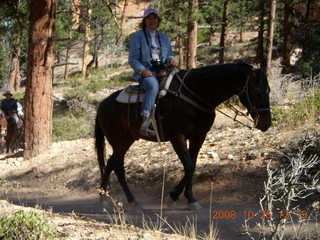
151, 87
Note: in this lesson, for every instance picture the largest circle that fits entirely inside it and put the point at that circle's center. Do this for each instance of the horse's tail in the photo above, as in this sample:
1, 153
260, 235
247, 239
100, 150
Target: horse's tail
100, 146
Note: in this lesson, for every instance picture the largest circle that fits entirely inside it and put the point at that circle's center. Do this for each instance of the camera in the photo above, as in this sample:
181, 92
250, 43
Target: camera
157, 63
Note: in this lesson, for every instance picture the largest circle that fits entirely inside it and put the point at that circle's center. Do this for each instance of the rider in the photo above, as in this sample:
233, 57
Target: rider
150, 50
11, 107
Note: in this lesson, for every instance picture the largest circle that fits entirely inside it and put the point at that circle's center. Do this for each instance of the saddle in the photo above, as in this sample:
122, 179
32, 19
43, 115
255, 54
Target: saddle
134, 93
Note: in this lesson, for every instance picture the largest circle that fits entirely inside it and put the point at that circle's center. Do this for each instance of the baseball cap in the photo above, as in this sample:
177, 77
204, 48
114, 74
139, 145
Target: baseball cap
148, 11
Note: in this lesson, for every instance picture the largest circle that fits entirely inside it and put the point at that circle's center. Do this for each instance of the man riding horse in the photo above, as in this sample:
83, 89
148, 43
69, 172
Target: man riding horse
12, 108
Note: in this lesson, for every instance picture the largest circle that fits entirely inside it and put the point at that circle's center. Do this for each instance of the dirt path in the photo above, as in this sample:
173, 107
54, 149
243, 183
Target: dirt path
230, 170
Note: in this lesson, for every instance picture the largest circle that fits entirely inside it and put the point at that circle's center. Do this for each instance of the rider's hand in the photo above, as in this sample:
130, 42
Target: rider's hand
172, 62
146, 73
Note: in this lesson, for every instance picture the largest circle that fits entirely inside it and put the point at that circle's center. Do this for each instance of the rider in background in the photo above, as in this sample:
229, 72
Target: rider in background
11, 107
150, 50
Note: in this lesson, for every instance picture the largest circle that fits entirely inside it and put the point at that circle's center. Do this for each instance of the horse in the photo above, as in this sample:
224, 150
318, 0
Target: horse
186, 112
3, 129
9, 131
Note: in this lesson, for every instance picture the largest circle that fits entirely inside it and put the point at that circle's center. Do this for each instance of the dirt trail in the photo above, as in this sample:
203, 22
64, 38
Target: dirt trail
230, 169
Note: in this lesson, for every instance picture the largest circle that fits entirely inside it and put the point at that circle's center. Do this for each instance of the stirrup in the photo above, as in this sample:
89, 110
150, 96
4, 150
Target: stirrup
145, 129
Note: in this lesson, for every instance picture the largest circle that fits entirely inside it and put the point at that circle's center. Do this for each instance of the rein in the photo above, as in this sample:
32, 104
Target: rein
237, 112
209, 108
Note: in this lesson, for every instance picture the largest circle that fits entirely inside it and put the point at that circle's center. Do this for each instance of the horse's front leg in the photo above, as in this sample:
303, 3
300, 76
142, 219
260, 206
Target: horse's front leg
180, 146
195, 144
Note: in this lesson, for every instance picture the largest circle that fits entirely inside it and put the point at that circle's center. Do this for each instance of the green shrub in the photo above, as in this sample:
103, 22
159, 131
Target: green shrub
305, 111
69, 127
278, 114
26, 225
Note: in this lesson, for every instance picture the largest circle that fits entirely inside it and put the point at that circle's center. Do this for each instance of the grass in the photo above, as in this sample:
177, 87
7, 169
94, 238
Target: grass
305, 111
26, 225
189, 230
73, 117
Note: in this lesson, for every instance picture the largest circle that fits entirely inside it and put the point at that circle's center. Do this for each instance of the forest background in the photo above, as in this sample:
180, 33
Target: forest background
37, 39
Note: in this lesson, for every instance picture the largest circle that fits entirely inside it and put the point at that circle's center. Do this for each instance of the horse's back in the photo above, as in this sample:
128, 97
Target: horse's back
117, 118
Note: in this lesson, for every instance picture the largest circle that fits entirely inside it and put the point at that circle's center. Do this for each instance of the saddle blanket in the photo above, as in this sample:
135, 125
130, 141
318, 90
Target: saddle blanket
131, 94
134, 93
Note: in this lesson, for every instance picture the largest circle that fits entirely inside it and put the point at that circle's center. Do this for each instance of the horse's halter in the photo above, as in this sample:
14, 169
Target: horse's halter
251, 104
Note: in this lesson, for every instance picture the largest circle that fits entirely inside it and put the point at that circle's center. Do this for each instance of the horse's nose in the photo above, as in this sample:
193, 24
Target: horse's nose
263, 121
265, 127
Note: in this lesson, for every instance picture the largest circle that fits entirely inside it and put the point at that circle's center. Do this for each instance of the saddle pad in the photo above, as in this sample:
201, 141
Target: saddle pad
131, 94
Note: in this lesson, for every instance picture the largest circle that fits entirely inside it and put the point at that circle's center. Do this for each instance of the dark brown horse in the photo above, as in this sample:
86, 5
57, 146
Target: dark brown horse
187, 113
10, 132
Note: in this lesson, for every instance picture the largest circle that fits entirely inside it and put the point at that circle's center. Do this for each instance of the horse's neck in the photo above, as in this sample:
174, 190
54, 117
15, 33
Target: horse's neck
217, 89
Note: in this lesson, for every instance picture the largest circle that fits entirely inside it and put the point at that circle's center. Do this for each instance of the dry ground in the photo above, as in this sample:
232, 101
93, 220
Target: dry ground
230, 171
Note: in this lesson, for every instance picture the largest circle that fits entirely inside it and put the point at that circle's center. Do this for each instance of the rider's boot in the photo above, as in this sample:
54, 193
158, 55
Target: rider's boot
145, 130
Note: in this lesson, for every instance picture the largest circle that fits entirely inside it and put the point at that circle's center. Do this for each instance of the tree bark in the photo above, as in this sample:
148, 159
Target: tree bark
86, 41
38, 102
192, 35
212, 30
179, 42
75, 14
14, 70
66, 67
307, 33
260, 49
286, 36
271, 27
223, 35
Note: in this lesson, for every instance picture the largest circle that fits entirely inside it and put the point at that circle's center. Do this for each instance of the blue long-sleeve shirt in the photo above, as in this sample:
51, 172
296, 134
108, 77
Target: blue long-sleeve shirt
139, 52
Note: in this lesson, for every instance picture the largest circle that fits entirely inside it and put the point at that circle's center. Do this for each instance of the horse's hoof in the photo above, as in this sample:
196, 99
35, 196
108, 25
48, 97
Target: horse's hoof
170, 203
135, 207
104, 202
195, 206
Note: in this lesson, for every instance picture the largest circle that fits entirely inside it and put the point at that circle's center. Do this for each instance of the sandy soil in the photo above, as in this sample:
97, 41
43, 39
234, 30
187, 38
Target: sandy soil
229, 177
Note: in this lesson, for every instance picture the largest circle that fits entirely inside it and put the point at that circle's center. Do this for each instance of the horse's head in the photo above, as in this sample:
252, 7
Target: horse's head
255, 97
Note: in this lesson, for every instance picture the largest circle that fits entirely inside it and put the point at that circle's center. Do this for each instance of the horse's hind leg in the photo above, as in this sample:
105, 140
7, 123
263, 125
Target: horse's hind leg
105, 184
116, 163
8, 142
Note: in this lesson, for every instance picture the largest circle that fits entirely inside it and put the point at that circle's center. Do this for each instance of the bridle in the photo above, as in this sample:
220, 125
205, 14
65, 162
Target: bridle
251, 105
207, 107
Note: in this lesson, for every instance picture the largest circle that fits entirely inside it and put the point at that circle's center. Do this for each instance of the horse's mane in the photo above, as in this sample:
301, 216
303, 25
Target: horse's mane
227, 69
223, 66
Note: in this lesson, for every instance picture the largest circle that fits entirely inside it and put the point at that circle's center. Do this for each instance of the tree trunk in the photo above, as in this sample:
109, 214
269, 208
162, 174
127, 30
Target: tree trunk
180, 50
260, 49
86, 41
38, 102
223, 36
14, 71
66, 67
307, 33
192, 35
271, 27
286, 36
75, 14
212, 30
